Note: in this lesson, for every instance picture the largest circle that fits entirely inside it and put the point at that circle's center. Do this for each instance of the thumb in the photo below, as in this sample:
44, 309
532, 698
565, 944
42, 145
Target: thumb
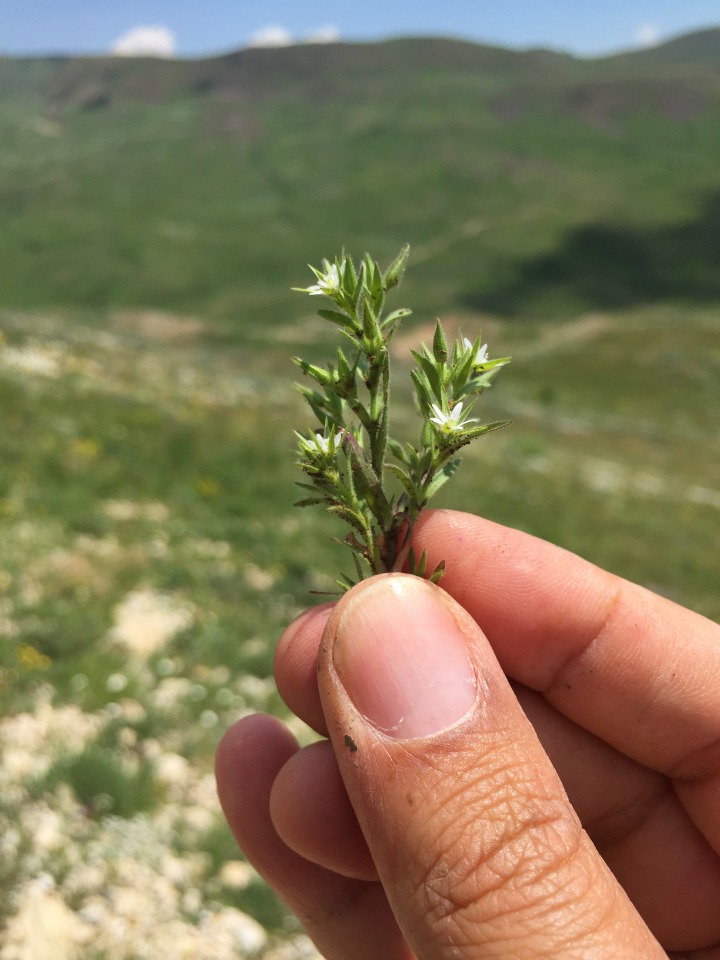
475, 842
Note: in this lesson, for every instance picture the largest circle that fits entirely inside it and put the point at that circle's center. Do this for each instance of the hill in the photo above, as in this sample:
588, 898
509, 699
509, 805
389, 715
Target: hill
199, 185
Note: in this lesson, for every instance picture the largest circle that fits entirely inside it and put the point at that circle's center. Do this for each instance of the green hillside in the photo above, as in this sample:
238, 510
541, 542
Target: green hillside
198, 185
154, 215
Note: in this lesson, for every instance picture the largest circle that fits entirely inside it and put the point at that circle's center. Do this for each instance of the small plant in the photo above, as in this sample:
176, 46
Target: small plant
351, 457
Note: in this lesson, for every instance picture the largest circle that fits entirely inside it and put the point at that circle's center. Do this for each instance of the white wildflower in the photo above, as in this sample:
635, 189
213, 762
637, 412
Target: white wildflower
481, 356
328, 283
452, 421
326, 446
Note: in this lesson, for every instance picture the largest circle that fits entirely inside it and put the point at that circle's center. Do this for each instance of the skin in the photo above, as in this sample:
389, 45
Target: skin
573, 811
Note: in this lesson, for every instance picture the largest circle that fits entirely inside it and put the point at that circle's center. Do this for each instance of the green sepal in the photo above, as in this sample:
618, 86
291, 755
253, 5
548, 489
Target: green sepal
438, 573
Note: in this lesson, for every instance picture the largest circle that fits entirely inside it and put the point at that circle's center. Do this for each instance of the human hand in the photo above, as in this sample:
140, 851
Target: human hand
438, 822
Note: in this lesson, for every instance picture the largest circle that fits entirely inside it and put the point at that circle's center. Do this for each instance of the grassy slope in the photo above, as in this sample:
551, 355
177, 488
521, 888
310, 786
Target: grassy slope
202, 186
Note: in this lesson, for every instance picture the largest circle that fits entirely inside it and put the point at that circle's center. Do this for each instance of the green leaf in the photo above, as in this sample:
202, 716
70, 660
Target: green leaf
394, 273
394, 317
472, 432
427, 365
441, 477
374, 283
464, 368
341, 319
323, 377
397, 450
402, 476
349, 516
310, 502
345, 583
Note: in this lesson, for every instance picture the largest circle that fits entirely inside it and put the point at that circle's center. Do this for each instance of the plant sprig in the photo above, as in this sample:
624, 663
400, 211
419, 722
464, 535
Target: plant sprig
350, 457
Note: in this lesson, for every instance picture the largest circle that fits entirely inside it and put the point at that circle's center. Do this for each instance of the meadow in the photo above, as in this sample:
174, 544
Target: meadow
150, 554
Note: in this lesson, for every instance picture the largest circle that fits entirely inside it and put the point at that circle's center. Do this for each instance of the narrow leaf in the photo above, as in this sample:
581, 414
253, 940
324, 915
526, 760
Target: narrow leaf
395, 316
441, 477
323, 377
341, 319
394, 273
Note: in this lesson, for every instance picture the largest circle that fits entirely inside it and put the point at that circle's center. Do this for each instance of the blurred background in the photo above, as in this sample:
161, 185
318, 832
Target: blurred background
166, 175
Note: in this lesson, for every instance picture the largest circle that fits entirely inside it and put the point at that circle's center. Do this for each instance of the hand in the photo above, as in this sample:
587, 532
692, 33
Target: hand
438, 822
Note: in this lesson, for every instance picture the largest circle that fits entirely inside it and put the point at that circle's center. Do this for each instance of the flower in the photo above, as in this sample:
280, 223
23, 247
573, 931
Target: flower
452, 421
328, 283
481, 356
326, 446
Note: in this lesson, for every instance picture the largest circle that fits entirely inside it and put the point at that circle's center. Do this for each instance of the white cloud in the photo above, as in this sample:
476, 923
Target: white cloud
271, 36
647, 35
145, 41
324, 34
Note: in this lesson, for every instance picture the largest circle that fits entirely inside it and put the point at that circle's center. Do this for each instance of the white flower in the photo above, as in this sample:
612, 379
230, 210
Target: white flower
327, 283
320, 443
450, 422
323, 443
481, 356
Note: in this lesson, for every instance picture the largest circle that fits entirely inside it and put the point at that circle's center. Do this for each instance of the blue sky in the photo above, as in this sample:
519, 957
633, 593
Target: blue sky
205, 27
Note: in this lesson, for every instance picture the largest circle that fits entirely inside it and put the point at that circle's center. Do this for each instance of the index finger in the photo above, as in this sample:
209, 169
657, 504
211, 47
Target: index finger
633, 668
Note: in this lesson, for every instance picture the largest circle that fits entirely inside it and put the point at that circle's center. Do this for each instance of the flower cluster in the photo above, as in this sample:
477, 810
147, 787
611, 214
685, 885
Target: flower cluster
349, 459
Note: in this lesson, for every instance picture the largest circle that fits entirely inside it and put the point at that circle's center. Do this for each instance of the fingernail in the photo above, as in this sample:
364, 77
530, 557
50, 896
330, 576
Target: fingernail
402, 659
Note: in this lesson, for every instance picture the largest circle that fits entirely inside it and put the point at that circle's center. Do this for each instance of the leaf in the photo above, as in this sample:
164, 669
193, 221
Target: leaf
402, 476
441, 477
472, 432
422, 388
415, 568
375, 285
323, 377
394, 273
341, 319
395, 316
397, 450
345, 583
427, 364
437, 574
310, 502
349, 516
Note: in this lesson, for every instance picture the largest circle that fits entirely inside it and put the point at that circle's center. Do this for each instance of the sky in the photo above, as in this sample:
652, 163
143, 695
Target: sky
194, 28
